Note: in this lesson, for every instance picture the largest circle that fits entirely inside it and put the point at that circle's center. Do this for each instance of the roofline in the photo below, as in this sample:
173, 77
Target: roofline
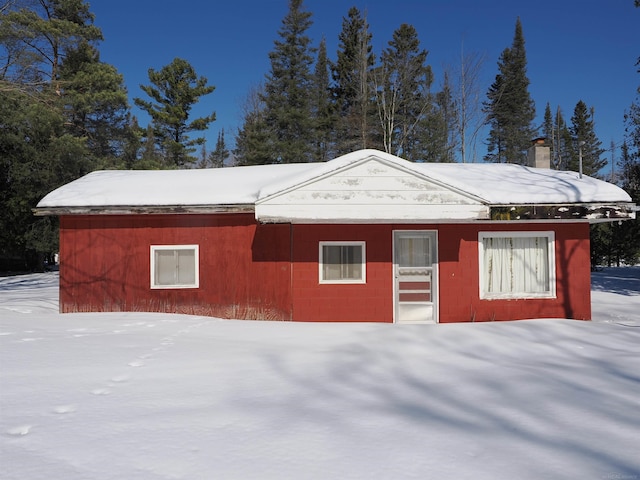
385, 158
143, 209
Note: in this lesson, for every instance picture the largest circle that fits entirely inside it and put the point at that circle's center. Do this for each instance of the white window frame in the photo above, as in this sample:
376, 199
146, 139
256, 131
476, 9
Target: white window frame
363, 265
155, 248
551, 260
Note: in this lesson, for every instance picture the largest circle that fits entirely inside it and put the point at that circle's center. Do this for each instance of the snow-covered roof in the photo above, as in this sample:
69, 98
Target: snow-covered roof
488, 184
139, 188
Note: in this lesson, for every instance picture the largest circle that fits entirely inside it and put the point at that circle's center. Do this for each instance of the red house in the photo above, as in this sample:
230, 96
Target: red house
366, 237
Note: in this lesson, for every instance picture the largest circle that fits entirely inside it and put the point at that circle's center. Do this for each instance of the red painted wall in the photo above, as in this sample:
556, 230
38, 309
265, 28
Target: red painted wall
372, 301
460, 278
244, 268
459, 287
271, 271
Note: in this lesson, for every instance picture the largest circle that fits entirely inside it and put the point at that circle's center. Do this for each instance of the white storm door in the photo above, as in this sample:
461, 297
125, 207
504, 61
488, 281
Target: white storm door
415, 276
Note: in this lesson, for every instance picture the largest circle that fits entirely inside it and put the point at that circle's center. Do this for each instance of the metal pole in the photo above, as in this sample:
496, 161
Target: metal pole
580, 144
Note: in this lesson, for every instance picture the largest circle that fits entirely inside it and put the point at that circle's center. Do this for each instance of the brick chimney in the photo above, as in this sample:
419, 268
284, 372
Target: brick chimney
539, 154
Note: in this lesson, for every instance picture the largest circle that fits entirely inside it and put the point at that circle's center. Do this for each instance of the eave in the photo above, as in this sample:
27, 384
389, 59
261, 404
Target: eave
593, 212
143, 210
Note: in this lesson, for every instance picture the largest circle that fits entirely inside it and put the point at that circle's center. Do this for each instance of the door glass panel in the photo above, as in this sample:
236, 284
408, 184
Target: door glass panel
414, 252
414, 263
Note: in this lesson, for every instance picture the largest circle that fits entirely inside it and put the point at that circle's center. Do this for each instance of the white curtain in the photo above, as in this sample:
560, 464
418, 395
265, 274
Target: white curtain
516, 265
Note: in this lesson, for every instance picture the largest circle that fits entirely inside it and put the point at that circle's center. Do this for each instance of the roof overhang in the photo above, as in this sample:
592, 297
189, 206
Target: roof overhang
593, 212
144, 210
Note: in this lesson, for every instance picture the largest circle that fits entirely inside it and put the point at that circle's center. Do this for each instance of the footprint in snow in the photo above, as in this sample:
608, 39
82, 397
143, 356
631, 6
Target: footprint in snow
20, 430
62, 409
100, 391
136, 363
120, 378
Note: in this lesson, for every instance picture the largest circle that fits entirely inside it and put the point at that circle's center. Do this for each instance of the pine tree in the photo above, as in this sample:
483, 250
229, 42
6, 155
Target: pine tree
35, 37
563, 143
437, 131
547, 126
95, 105
203, 158
150, 157
403, 82
552, 131
322, 108
286, 91
352, 89
220, 154
585, 141
174, 89
42, 99
255, 143
509, 107
447, 110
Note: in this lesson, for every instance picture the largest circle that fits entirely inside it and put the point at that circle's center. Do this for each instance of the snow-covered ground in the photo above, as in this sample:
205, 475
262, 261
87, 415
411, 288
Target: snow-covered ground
153, 396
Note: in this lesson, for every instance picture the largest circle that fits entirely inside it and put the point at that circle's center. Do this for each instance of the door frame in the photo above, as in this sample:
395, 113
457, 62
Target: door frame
435, 280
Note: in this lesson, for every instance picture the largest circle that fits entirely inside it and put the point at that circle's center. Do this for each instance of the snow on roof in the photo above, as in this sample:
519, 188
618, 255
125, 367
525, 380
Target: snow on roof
494, 184
510, 184
138, 188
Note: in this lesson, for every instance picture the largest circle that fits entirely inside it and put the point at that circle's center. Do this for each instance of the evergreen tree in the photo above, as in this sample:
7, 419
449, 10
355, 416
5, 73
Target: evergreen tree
585, 142
203, 159
58, 108
35, 36
618, 243
564, 145
174, 89
132, 144
509, 107
95, 105
547, 127
322, 108
150, 157
220, 154
447, 111
403, 82
36, 156
555, 133
255, 140
352, 89
628, 233
286, 96
437, 130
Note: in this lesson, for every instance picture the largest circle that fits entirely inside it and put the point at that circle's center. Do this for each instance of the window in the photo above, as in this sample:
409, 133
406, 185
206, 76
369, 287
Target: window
342, 262
174, 266
517, 264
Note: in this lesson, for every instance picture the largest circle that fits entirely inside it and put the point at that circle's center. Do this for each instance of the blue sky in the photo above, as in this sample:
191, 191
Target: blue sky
576, 49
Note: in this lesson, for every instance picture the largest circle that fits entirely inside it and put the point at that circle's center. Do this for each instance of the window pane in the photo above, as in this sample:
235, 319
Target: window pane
186, 267
341, 262
165, 268
414, 252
